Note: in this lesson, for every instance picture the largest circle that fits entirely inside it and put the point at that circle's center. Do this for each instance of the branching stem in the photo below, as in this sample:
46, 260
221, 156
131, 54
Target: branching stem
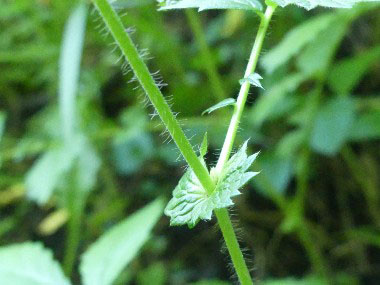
141, 71
244, 90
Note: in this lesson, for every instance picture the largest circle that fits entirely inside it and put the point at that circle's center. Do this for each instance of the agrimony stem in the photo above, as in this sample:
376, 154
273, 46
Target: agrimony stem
244, 90
142, 73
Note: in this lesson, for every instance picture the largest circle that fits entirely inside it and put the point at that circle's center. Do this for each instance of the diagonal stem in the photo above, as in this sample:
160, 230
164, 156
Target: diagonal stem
244, 90
141, 71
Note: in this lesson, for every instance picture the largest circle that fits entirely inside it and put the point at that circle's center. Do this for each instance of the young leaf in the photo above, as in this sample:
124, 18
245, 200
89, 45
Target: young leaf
253, 79
204, 146
191, 203
311, 4
214, 4
106, 258
29, 264
221, 104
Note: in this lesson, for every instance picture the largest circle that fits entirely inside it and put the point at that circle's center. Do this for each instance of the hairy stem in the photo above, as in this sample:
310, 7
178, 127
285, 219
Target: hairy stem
141, 71
244, 90
207, 58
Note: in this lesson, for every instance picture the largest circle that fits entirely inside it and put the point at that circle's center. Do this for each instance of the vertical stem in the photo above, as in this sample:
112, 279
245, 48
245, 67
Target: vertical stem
243, 94
312, 250
207, 58
233, 247
75, 201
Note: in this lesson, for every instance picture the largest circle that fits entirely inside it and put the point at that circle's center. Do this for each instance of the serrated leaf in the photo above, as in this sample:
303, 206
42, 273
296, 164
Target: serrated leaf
221, 104
106, 258
311, 4
214, 4
253, 79
191, 203
29, 264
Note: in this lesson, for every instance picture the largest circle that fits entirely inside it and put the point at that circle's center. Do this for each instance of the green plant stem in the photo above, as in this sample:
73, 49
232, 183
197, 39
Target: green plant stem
233, 247
364, 180
142, 73
207, 58
244, 90
75, 204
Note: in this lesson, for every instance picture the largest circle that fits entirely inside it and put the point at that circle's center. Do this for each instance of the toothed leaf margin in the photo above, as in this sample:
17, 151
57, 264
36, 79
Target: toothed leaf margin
191, 203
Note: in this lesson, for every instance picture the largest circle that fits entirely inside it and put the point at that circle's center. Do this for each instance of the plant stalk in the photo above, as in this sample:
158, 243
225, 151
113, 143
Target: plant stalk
141, 71
143, 75
244, 90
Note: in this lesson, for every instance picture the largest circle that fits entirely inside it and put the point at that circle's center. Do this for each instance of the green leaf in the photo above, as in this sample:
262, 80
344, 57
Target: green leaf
295, 40
346, 74
29, 264
278, 173
107, 257
69, 67
253, 79
191, 203
316, 57
204, 146
366, 127
214, 4
266, 105
333, 125
46, 173
221, 104
311, 4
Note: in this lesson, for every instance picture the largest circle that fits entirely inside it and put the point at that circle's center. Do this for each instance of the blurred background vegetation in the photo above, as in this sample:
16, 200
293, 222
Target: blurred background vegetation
314, 211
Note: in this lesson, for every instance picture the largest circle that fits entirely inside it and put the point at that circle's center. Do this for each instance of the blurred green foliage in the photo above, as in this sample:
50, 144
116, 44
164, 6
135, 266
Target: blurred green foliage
313, 213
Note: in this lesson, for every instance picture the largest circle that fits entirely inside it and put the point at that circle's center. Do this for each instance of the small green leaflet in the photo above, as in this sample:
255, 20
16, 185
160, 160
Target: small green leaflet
213, 4
253, 79
221, 104
311, 4
204, 146
191, 203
